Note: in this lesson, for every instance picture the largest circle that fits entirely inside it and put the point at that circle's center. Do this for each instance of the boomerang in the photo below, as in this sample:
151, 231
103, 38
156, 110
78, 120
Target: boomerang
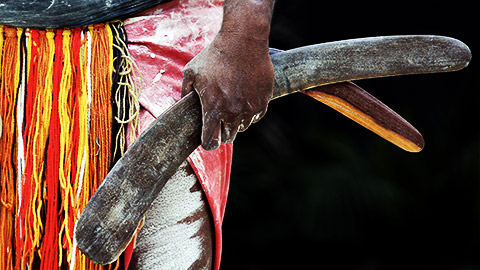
111, 217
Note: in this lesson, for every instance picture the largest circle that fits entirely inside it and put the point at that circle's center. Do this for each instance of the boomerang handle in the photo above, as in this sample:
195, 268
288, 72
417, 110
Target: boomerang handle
111, 217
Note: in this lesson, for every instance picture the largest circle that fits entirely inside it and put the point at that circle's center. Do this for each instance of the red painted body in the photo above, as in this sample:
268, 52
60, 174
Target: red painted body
162, 41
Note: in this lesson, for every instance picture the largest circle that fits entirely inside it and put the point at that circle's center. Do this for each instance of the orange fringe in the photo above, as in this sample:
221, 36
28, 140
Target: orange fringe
8, 91
100, 115
67, 141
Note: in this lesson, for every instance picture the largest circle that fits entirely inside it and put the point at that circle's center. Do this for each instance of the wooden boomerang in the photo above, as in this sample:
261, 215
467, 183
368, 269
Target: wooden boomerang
112, 215
363, 108
357, 104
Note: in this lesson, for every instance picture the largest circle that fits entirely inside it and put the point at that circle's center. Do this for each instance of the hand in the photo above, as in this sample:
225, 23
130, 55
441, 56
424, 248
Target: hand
233, 77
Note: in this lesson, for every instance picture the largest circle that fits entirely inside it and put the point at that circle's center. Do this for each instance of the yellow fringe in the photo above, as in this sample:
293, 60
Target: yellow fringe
66, 147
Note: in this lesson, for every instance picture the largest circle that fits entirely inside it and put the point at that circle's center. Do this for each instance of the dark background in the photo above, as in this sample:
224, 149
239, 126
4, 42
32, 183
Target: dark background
311, 189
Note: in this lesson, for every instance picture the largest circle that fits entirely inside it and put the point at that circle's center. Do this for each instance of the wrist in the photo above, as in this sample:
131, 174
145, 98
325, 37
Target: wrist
248, 19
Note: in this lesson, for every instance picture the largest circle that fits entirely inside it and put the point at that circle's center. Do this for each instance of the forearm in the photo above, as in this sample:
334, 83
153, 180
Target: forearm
249, 19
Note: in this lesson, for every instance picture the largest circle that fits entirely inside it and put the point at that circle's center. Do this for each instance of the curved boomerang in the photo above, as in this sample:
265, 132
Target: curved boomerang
111, 217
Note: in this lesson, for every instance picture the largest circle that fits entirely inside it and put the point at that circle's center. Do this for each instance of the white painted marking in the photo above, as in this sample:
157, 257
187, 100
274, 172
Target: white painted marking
169, 243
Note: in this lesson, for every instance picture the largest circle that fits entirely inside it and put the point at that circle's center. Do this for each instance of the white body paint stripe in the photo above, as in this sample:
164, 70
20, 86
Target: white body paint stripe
168, 241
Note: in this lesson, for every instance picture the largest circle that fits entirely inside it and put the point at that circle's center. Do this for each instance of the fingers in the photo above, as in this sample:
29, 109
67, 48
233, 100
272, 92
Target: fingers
217, 129
211, 132
187, 83
224, 113
230, 127
259, 116
229, 131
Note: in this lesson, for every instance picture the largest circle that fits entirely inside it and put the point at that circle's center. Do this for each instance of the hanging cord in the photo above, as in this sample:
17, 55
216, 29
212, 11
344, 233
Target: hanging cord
9, 83
126, 95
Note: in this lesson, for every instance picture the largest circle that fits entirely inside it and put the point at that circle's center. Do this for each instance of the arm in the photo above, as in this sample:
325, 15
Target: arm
233, 76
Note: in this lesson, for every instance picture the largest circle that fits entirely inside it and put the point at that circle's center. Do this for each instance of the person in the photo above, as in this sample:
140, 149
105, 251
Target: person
217, 48
220, 50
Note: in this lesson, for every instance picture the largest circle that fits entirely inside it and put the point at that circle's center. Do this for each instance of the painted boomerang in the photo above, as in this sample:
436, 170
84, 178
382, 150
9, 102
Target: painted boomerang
112, 215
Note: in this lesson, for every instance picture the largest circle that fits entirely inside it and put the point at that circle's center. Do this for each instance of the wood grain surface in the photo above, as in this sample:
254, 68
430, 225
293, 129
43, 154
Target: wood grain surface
363, 108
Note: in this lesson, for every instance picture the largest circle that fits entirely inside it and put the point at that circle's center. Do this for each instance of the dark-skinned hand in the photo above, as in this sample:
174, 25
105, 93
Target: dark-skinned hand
233, 76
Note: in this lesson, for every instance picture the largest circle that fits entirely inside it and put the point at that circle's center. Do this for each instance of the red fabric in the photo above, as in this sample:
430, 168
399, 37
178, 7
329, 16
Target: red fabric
162, 41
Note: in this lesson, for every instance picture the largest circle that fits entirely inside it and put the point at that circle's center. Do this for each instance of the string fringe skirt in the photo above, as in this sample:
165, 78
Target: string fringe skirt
66, 97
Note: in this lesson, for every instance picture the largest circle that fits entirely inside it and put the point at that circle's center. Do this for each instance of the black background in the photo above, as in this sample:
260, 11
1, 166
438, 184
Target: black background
310, 189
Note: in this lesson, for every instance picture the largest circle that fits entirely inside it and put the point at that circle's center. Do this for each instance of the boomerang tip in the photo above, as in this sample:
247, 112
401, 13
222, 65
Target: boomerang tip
358, 105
